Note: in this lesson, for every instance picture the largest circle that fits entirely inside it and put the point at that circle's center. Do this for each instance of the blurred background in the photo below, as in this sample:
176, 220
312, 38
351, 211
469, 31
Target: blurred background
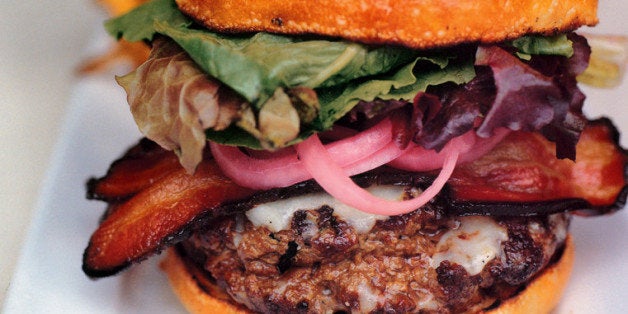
41, 45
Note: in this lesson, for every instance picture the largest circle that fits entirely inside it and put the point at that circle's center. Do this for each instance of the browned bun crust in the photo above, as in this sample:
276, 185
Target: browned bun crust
540, 296
413, 23
184, 283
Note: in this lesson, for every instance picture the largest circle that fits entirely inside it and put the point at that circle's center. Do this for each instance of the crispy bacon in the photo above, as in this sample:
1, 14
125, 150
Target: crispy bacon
154, 202
155, 213
523, 169
141, 166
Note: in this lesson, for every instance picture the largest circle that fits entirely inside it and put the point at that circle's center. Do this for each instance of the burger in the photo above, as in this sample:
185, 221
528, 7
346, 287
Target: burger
348, 157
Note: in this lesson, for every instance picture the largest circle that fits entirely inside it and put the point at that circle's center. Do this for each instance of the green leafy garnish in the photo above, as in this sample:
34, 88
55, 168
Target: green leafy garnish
139, 23
312, 82
558, 45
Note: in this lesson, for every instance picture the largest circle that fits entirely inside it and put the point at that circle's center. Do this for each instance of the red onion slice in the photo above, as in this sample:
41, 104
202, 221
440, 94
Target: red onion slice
382, 157
256, 173
418, 158
350, 156
333, 179
286, 170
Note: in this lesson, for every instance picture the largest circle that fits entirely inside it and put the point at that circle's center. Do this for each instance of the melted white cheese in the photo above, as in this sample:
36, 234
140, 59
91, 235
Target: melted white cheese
368, 298
427, 301
277, 215
475, 243
239, 228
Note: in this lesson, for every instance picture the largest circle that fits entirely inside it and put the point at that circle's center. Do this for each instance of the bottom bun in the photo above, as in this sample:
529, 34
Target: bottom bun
541, 295
183, 281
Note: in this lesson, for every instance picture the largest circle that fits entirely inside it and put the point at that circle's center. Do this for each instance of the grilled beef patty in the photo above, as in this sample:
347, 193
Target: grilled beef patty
418, 262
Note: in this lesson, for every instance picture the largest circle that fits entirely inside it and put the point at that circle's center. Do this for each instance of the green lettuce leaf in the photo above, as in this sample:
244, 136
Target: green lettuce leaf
335, 102
403, 84
541, 45
173, 102
269, 61
273, 61
258, 66
139, 23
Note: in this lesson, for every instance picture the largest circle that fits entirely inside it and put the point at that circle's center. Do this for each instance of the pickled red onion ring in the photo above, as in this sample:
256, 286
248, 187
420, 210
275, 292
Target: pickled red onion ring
418, 158
381, 157
333, 179
266, 173
350, 156
256, 173
287, 170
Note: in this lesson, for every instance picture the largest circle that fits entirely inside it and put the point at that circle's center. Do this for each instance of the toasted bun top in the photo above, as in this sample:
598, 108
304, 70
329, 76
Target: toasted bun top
540, 296
413, 23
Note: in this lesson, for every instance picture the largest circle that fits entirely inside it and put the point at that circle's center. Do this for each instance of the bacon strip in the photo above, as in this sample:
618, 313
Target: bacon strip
523, 168
154, 202
141, 166
150, 219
